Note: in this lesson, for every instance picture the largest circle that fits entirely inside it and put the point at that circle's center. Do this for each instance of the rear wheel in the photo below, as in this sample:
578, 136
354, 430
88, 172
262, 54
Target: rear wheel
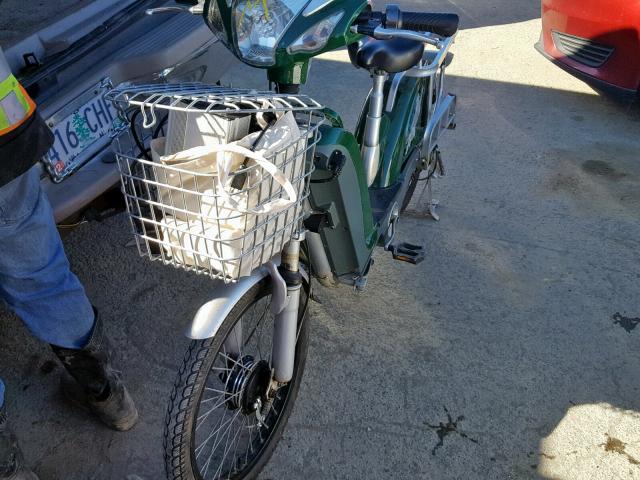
423, 175
224, 420
415, 178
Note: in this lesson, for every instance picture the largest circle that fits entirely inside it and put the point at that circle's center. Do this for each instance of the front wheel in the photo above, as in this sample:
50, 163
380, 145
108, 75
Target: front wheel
224, 421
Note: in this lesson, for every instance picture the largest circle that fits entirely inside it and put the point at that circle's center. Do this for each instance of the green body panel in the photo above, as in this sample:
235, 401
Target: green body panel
341, 36
348, 209
295, 74
333, 117
397, 129
348, 233
287, 67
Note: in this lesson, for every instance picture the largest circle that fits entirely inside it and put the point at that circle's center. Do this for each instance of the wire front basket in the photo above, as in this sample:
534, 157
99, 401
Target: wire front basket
215, 179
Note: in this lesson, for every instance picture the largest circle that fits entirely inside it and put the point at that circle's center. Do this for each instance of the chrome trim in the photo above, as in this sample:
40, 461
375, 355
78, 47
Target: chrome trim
195, 10
155, 11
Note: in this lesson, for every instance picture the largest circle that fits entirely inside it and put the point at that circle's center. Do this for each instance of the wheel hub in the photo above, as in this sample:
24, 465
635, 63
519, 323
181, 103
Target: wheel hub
248, 382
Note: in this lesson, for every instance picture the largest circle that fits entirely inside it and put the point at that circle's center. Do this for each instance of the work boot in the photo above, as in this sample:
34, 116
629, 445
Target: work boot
11, 460
92, 383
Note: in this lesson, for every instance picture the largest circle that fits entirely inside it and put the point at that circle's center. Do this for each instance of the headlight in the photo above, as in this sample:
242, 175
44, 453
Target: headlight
260, 25
317, 36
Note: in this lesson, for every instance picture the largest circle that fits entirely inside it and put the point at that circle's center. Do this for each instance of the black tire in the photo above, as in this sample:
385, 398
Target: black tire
415, 178
198, 364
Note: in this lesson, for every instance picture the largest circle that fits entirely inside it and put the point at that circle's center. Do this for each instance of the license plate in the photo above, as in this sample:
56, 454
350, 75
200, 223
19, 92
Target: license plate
81, 130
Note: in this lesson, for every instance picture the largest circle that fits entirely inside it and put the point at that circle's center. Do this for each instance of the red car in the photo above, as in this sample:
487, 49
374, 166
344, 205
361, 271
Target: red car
596, 40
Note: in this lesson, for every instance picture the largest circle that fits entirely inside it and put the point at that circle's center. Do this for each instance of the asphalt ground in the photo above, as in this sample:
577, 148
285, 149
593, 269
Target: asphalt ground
19, 18
511, 353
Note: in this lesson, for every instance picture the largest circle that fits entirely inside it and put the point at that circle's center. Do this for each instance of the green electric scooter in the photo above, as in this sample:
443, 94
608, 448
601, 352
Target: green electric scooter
241, 374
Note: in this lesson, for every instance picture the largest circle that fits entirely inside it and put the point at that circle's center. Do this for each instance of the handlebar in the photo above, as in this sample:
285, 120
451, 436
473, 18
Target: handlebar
442, 24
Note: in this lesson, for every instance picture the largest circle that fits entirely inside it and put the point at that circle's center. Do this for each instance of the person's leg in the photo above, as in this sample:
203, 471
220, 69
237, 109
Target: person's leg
37, 283
35, 278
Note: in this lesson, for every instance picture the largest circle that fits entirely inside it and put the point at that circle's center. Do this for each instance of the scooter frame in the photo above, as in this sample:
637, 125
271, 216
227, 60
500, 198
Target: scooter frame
367, 207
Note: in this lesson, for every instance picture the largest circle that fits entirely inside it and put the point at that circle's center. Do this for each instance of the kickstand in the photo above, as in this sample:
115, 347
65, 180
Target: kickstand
433, 203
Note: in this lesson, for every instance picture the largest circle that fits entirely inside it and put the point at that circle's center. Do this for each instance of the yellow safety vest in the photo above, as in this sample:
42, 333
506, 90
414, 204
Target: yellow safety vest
16, 107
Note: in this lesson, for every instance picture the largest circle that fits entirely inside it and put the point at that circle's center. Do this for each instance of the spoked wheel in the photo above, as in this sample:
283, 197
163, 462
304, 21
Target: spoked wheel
225, 417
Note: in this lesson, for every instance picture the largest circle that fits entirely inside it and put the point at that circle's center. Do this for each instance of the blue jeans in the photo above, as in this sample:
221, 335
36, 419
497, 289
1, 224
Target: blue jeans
35, 279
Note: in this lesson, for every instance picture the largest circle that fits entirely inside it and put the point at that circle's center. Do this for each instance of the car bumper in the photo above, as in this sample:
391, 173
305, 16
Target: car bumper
625, 94
173, 49
595, 39
71, 196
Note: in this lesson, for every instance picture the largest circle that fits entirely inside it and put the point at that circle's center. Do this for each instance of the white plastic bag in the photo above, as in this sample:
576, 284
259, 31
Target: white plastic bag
207, 223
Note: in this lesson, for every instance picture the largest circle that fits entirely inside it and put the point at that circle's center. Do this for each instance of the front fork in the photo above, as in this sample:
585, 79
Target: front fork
286, 322
286, 285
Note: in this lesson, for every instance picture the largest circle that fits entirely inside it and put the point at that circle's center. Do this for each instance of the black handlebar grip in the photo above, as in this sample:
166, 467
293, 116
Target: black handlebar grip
443, 24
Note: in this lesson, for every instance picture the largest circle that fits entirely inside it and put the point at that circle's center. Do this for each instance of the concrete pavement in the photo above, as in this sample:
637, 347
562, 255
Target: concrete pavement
16, 21
511, 353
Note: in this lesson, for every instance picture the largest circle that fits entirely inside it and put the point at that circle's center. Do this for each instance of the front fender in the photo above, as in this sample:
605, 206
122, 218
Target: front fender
211, 315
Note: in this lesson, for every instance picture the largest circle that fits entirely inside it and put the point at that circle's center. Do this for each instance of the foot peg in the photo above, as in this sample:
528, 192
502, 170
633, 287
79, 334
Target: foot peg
407, 252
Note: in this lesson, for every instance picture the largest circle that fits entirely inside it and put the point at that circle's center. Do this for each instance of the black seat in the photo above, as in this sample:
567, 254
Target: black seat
392, 56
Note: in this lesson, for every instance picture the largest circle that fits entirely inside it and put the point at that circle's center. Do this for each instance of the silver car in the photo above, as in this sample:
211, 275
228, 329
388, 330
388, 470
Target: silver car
68, 64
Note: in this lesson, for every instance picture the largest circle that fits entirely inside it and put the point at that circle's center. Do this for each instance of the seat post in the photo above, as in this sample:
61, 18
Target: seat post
371, 140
